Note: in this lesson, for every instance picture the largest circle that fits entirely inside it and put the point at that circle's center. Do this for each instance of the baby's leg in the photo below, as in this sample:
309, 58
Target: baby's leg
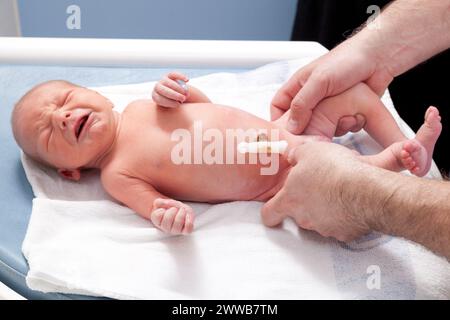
415, 155
358, 101
427, 136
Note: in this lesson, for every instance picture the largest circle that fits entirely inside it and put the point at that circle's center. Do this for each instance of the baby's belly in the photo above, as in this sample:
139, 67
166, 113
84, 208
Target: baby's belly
220, 183
199, 161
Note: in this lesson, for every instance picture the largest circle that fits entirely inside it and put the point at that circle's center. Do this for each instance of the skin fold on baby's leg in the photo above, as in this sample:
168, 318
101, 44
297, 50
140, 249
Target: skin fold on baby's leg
400, 153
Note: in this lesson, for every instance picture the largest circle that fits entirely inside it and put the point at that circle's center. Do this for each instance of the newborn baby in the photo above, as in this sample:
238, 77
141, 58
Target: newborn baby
72, 128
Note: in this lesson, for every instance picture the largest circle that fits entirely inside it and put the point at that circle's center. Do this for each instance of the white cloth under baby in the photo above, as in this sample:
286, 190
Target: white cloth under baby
79, 241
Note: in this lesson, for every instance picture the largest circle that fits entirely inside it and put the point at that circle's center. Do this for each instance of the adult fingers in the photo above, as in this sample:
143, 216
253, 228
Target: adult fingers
294, 155
379, 82
276, 113
272, 213
283, 98
315, 89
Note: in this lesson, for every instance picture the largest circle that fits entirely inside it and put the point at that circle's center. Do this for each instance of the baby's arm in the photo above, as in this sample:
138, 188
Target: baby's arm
194, 95
166, 214
171, 91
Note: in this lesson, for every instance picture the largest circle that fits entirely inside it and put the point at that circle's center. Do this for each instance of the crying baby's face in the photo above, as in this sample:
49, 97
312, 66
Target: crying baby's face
64, 125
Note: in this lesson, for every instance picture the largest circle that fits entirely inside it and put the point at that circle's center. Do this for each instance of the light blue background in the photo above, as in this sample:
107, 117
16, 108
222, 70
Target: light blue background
162, 19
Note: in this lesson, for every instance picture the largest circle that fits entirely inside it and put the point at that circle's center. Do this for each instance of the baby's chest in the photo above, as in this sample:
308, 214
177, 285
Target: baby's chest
151, 140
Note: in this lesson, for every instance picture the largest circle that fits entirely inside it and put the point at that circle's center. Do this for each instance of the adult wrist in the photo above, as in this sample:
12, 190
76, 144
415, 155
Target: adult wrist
402, 37
363, 194
373, 48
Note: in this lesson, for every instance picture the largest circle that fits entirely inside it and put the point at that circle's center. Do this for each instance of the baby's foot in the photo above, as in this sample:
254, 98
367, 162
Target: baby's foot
414, 157
172, 216
427, 136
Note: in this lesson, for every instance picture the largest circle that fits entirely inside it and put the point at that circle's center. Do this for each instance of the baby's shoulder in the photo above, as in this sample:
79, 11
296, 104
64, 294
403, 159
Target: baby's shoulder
138, 112
114, 176
138, 105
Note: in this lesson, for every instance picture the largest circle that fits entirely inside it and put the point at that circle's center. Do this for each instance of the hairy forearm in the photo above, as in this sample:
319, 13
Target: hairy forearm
407, 33
417, 209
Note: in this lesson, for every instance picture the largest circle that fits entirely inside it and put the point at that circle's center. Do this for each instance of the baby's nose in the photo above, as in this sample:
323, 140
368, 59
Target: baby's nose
63, 118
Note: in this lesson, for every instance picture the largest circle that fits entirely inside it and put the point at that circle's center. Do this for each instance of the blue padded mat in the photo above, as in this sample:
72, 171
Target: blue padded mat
15, 192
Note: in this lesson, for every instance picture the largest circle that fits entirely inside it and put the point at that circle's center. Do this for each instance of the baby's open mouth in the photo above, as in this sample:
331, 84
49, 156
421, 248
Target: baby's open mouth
80, 125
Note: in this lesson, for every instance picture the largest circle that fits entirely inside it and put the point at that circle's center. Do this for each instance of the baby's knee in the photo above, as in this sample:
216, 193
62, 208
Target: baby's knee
363, 100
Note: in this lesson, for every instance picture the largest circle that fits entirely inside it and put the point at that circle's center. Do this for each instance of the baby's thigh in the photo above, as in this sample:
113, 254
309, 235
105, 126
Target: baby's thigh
359, 99
356, 100
319, 124
348, 103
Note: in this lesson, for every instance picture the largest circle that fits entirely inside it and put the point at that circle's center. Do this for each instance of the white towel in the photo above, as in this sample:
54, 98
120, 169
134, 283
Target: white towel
79, 241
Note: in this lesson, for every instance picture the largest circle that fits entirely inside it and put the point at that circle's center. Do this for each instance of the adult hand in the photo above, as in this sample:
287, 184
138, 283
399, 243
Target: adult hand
340, 69
312, 193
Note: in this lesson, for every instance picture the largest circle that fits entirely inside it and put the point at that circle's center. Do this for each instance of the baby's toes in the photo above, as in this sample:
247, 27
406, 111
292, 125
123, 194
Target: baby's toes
410, 146
414, 157
407, 160
432, 116
416, 171
168, 219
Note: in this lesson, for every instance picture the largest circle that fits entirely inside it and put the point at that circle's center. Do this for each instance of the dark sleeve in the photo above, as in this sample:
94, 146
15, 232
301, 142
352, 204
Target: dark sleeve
330, 22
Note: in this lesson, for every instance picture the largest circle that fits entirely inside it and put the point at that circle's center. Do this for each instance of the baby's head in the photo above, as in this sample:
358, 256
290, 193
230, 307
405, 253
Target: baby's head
65, 126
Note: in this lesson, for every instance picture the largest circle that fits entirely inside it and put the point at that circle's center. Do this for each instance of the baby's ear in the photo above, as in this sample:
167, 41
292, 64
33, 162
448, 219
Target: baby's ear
112, 104
71, 174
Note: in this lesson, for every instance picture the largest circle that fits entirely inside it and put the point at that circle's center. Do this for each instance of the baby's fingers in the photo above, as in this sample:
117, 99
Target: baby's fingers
188, 222
178, 223
174, 75
169, 93
167, 203
175, 86
164, 102
168, 219
156, 216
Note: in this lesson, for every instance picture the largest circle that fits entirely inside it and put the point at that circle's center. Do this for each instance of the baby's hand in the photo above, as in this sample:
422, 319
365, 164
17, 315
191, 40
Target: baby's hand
172, 216
168, 92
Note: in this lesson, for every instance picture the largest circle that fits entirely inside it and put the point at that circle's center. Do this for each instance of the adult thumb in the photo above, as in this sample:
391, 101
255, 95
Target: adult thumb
379, 82
294, 155
271, 212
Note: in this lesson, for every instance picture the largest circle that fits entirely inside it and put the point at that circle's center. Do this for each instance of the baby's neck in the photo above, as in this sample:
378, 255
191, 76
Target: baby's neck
104, 157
